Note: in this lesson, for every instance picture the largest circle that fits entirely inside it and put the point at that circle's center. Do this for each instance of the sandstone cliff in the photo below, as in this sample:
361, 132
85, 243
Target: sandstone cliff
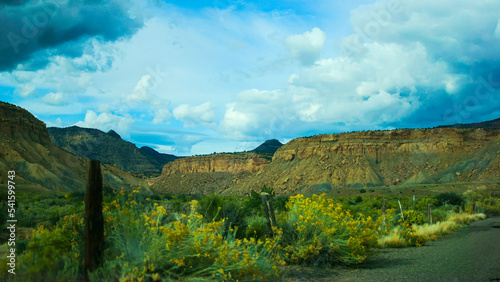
353, 160
206, 174
25, 147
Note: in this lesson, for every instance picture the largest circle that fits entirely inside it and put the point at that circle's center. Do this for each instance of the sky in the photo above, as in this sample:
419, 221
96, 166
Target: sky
196, 77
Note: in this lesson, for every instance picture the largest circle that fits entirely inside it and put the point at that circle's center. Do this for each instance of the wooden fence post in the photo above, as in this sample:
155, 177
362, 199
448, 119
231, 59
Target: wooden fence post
268, 212
401, 209
429, 208
94, 220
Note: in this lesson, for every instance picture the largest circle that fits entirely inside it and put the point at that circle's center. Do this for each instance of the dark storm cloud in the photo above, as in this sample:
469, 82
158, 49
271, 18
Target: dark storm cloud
33, 31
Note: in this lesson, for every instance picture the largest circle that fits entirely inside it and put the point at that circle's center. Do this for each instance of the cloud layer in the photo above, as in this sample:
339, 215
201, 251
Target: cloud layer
409, 64
32, 31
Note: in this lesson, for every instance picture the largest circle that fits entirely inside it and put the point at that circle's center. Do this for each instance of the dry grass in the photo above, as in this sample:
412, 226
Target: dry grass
463, 218
428, 232
392, 240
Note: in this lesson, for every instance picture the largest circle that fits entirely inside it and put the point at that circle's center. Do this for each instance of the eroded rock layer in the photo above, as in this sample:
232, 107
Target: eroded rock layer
348, 160
25, 147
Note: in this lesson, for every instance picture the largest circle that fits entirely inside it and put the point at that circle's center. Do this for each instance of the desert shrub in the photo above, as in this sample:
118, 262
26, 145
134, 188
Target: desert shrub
422, 204
189, 247
279, 203
210, 207
256, 227
439, 215
49, 251
491, 206
414, 217
321, 231
231, 209
449, 198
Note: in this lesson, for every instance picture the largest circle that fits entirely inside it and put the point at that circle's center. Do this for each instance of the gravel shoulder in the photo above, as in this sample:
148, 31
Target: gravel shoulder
471, 253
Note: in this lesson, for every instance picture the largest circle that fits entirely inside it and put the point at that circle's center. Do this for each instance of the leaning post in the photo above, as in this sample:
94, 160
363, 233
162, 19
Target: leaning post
94, 220
268, 212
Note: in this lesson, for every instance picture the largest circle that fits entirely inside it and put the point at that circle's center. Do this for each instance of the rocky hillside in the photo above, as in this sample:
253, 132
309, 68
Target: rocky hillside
25, 147
353, 160
211, 173
109, 148
492, 124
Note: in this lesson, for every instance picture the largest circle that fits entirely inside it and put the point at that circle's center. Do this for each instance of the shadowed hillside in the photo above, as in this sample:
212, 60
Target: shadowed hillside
25, 147
109, 148
492, 124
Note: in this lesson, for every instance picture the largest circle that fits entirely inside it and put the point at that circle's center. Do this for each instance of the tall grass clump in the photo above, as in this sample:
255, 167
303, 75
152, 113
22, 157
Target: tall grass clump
463, 218
406, 234
318, 230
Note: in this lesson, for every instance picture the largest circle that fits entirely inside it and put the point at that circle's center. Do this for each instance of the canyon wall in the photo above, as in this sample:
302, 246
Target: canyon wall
327, 162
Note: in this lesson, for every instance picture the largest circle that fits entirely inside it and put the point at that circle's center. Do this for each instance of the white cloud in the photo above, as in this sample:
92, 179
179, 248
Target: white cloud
195, 115
306, 47
108, 121
54, 98
407, 62
161, 116
140, 93
56, 123
257, 114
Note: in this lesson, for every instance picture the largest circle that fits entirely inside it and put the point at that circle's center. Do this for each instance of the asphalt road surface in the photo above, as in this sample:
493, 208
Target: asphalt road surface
470, 254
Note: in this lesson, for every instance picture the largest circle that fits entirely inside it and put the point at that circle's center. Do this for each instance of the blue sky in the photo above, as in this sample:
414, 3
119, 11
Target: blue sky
196, 77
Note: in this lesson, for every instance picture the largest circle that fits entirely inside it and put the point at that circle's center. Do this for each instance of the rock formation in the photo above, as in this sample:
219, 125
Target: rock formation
25, 147
349, 160
110, 148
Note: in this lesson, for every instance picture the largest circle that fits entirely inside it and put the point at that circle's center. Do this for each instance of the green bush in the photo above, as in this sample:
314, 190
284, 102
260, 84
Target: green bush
422, 204
449, 198
439, 215
232, 209
414, 217
256, 227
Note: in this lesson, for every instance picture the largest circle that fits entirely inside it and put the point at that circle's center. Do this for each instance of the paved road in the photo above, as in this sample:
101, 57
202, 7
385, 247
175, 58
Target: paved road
470, 254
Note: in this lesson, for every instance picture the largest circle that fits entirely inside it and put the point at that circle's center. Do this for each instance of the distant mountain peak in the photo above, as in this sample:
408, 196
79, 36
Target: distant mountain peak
112, 133
269, 146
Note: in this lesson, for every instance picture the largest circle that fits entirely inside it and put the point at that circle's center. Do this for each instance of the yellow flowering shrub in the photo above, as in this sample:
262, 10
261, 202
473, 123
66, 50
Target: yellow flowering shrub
319, 229
143, 246
49, 251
